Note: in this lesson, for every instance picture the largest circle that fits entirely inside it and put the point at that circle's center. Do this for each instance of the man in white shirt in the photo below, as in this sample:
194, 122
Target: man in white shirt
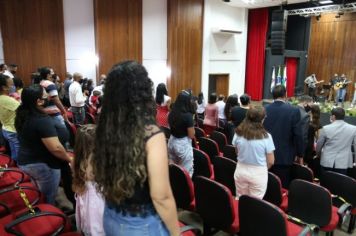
77, 99
221, 107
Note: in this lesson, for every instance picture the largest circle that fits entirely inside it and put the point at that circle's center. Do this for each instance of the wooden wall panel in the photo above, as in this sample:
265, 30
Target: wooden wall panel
33, 35
118, 31
333, 49
185, 33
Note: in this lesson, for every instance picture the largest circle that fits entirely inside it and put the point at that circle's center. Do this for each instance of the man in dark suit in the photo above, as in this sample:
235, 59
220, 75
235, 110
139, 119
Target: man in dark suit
283, 123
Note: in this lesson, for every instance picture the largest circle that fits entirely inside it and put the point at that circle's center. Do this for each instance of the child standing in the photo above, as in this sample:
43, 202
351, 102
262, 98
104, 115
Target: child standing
90, 205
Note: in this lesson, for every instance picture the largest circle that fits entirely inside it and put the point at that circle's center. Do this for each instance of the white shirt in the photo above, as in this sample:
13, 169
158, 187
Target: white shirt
8, 73
76, 97
221, 108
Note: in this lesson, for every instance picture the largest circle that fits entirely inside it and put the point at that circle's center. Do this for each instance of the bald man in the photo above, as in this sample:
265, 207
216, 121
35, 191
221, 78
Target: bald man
77, 99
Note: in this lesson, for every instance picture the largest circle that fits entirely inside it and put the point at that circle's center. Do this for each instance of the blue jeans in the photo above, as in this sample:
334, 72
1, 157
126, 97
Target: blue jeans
14, 143
46, 179
78, 115
340, 95
117, 224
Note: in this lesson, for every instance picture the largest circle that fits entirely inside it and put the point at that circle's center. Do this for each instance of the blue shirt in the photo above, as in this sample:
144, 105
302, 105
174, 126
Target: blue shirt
253, 152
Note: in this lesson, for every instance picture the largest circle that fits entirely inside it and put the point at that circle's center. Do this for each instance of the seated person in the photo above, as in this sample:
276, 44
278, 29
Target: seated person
41, 153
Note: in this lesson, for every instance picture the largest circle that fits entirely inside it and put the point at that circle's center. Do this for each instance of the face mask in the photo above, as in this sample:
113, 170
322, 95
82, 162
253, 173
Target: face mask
307, 108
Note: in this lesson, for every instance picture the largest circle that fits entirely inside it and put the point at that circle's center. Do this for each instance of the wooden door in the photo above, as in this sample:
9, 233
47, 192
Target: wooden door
219, 84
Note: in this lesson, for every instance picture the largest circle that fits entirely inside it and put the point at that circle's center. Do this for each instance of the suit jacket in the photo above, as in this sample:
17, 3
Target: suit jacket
282, 122
334, 144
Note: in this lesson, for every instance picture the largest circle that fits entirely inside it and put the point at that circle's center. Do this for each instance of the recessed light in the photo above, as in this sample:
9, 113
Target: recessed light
325, 1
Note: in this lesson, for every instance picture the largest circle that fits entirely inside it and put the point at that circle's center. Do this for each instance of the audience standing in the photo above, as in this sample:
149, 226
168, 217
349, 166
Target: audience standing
238, 113
89, 209
163, 102
201, 106
130, 161
77, 99
67, 82
313, 135
255, 147
8, 106
335, 141
282, 122
181, 122
211, 119
41, 153
221, 108
304, 107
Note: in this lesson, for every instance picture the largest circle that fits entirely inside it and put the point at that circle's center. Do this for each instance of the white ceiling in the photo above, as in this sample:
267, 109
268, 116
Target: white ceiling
260, 3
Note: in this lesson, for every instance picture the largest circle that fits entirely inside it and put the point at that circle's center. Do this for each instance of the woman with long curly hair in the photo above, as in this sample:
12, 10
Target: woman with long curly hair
89, 208
255, 154
130, 163
163, 102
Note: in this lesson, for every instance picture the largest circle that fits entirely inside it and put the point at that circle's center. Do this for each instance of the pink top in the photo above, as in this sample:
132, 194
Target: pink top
211, 115
89, 211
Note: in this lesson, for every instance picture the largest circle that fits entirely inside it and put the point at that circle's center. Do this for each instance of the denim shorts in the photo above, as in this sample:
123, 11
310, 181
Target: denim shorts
116, 224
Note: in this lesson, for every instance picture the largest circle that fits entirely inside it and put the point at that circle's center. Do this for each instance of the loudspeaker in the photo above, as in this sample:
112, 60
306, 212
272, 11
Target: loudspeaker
278, 31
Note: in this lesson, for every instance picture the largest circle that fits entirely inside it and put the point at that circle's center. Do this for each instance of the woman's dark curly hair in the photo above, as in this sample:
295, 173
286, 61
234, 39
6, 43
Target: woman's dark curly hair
119, 162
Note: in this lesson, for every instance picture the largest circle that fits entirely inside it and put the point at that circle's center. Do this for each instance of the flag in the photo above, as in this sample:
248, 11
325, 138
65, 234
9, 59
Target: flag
284, 80
273, 82
279, 77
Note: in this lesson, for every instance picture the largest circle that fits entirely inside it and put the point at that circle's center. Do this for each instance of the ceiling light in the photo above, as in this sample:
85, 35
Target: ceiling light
325, 1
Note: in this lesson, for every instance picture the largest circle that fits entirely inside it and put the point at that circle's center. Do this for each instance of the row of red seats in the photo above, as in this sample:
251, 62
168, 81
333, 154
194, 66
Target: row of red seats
22, 207
213, 166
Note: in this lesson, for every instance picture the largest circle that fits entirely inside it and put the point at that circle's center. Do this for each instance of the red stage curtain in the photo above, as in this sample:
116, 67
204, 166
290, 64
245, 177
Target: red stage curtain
292, 64
255, 54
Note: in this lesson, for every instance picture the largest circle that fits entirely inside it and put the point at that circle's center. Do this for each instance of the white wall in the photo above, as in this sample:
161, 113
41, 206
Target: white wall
224, 54
154, 39
80, 41
80, 37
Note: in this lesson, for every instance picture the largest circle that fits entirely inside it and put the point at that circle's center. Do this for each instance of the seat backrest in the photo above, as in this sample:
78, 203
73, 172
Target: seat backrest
274, 190
258, 217
229, 151
12, 199
224, 170
90, 118
219, 138
182, 187
5, 160
341, 185
199, 132
167, 131
209, 146
309, 202
214, 203
72, 132
301, 172
202, 164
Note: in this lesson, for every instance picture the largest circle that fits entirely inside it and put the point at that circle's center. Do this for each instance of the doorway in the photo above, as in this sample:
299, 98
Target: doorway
219, 84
